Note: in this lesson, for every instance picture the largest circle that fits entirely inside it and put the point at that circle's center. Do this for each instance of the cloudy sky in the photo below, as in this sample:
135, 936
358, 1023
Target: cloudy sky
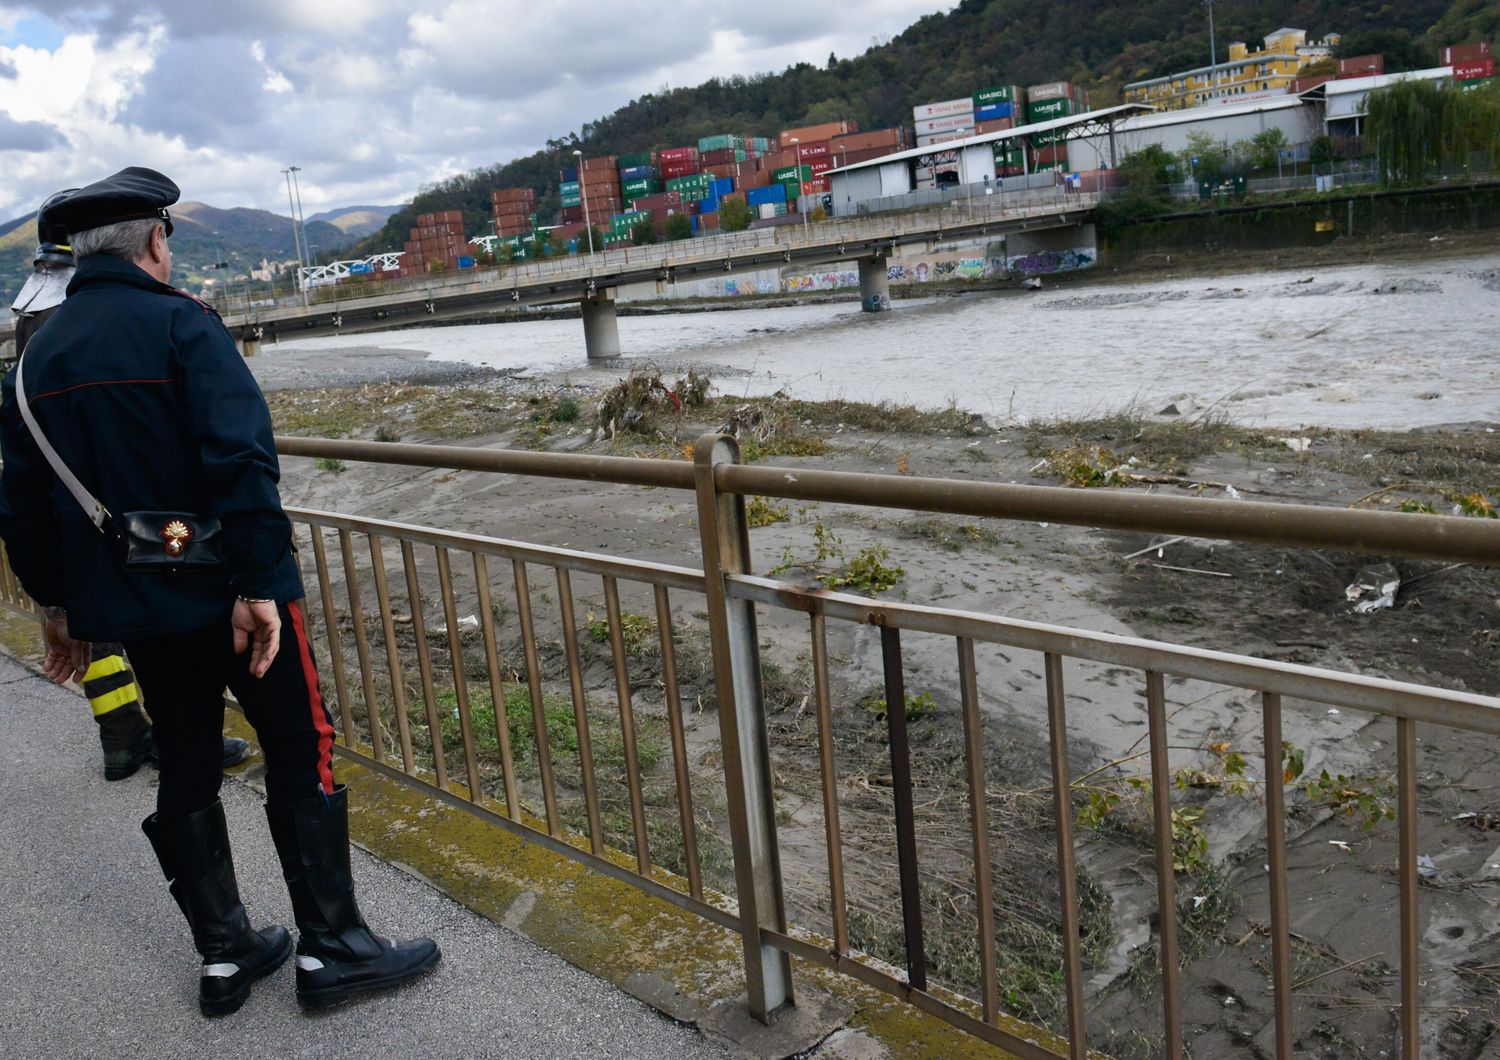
372, 98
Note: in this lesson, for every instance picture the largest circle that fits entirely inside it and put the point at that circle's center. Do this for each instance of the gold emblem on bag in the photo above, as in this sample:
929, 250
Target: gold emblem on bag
176, 534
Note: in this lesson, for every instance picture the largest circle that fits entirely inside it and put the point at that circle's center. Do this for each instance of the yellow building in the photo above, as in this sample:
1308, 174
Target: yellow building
1243, 76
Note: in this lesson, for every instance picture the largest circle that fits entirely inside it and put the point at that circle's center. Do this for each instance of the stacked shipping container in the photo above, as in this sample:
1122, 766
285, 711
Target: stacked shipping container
1473, 64
515, 210
436, 243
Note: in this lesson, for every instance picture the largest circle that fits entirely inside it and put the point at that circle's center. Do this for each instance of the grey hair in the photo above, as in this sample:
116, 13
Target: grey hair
127, 239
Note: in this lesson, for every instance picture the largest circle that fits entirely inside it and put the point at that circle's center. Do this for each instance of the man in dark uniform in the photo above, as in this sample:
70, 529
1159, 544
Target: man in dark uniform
139, 389
124, 730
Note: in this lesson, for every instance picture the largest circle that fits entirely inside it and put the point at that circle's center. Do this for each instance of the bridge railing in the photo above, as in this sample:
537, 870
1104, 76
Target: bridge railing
954, 214
498, 704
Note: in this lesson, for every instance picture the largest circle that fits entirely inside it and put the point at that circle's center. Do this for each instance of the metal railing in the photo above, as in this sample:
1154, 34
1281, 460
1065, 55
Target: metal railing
432, 730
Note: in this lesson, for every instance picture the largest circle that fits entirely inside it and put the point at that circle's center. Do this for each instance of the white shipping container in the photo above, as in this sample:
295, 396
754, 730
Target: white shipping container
1051, 90
926, 111
952, 123
930, 139
767, 210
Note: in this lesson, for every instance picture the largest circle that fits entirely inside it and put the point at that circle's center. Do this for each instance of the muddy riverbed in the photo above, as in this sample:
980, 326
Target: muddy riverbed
1444, 628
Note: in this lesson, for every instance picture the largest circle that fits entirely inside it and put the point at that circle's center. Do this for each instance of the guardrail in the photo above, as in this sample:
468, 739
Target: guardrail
447, 729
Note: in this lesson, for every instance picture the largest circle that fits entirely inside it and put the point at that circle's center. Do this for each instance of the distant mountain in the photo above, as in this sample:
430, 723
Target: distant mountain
202, 235
356, 221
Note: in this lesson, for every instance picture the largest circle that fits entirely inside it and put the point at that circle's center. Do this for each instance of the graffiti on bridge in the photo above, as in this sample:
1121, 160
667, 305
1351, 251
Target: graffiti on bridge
1049, 261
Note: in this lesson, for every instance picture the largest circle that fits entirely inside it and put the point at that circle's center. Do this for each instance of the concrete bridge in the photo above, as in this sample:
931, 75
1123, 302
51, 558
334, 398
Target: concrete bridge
593, 281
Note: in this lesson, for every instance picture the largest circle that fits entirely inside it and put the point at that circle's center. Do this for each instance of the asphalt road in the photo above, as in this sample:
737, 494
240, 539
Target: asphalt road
96, 960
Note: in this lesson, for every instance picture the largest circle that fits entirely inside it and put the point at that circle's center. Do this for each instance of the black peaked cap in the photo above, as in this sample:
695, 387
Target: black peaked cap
133, 194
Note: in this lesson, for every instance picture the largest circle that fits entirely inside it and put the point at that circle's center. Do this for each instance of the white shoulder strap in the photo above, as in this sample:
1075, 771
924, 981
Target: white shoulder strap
96, 512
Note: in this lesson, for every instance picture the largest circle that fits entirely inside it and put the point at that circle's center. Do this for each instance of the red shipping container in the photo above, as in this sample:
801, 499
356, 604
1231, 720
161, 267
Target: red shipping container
1465, 53
994, 125
866, 140
513, 195
672, 170
1042, 156
669, 200
849, 158
1361, 66
758, 179
814, 133
676, 154
1474, 71
1306, 84
819, 166
815, 187
816, 149
714, 158
708, 222
722, 172
600, 162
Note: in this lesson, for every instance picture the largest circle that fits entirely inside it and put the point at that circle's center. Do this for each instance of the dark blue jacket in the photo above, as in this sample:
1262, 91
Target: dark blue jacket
141, 391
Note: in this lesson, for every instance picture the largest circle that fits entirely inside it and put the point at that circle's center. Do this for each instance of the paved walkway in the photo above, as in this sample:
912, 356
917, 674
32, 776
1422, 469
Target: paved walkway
95, 959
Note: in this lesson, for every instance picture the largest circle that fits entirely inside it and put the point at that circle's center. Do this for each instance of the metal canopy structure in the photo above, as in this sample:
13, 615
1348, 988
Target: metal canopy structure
1091, 123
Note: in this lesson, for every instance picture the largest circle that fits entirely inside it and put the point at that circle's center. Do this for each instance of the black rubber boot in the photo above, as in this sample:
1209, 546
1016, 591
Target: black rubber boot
236, 751
337, 955
195, 858
125, 736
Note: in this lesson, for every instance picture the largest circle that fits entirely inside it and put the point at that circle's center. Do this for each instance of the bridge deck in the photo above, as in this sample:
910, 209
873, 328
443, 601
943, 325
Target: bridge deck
574, 278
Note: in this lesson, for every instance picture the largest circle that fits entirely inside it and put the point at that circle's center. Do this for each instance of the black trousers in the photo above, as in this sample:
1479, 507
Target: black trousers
184, 678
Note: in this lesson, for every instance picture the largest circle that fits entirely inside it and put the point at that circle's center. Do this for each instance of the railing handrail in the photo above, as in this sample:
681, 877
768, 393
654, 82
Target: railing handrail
1411, 535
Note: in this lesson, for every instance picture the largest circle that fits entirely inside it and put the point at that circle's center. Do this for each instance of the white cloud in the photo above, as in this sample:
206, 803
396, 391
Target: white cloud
373, 98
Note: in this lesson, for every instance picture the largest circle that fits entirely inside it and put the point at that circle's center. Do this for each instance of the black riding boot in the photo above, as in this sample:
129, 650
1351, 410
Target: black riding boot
195, 857
337, 955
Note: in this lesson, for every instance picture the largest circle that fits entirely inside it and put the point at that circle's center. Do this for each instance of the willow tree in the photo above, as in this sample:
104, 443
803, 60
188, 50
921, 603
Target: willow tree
1417, 126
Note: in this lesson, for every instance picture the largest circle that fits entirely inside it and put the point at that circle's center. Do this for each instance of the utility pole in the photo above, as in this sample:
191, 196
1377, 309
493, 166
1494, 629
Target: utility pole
301, 219
1213, 54
296, 240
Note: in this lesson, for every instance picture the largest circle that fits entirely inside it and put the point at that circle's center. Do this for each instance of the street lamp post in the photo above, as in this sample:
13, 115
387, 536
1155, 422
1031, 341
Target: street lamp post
583, 195
296, 240
301, 217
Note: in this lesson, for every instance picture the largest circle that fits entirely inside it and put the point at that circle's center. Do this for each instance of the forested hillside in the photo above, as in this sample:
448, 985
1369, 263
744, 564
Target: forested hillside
1098, 43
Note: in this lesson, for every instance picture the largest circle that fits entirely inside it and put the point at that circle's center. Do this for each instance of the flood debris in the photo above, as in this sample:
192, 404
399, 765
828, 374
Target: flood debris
1374, 588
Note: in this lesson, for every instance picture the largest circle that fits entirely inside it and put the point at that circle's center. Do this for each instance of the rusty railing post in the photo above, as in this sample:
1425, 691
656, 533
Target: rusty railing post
742, 727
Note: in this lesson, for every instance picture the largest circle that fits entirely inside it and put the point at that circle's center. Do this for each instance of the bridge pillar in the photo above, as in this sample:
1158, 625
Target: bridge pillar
601, 328
248, 347
874, 285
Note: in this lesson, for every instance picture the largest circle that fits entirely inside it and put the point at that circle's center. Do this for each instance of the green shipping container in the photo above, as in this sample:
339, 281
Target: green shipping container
568, 187
634, 189
1048, 109
788, 174
724, 142
1476, 84
638, 158
572, 200
1003, 94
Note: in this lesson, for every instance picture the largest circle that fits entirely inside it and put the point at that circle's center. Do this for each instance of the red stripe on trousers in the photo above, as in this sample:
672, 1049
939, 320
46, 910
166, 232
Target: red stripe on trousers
315, 701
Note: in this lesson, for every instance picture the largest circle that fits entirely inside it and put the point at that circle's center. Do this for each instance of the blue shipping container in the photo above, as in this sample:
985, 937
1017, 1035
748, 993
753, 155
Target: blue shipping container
995, 111
721, 187
770, 193
465, 263
709, 206
571, 173
638, 173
